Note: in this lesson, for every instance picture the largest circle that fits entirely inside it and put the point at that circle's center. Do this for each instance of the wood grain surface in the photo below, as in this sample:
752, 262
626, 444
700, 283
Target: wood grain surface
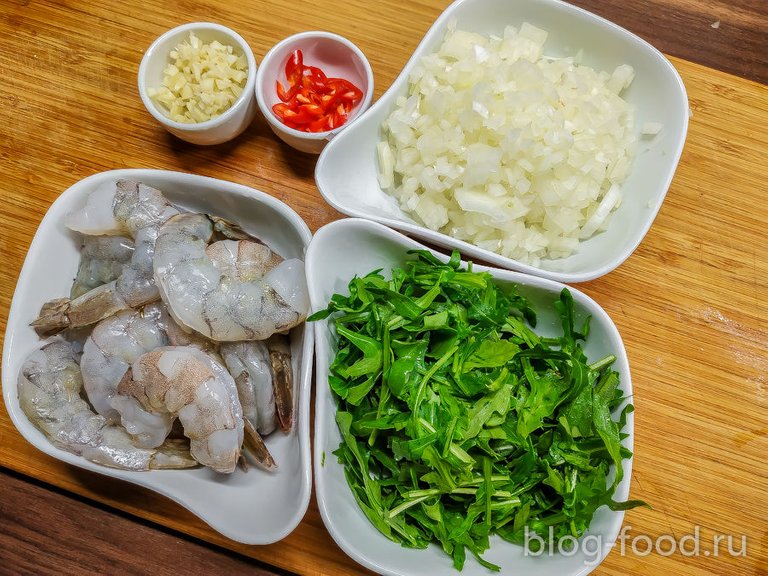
728, 36
87, 538
690, 303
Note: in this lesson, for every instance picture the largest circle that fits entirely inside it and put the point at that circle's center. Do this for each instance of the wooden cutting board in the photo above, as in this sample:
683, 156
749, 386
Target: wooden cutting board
691, 307
691, 303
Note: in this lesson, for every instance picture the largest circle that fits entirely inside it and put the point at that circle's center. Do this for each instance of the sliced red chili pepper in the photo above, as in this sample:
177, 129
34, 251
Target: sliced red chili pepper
286, 95
317, 73
349, 90
280, 109
294, 66
349, 96
301, 117
313, 109
320, 125
313, 102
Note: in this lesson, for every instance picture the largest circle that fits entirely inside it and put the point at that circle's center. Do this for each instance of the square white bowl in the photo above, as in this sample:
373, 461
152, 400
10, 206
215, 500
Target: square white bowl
352, 246
346, 172
254, 507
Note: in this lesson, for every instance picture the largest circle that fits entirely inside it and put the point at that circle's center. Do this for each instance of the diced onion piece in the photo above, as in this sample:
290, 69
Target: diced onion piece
500, 146
621, 78
651, 128
201, 80
601, 213
386, 165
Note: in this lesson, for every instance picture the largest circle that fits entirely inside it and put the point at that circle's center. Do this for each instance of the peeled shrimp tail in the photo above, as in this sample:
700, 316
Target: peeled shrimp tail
90, 308
282, 379
62, 313
49, 394
228, 229
256, 446
53, 317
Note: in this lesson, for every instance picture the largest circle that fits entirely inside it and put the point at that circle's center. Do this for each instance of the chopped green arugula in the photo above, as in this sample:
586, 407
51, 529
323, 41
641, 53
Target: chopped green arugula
458, 421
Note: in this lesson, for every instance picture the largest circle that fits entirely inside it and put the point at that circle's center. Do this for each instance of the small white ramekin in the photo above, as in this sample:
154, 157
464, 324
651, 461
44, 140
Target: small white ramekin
229, 124
336, 57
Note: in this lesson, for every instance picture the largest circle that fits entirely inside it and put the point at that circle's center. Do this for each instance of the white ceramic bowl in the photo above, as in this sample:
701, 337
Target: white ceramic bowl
337, 57
346, 170
254, 507
230, 123
354, 246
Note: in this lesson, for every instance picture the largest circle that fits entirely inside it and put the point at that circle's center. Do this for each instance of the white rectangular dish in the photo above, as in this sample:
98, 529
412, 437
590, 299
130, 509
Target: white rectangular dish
253, 507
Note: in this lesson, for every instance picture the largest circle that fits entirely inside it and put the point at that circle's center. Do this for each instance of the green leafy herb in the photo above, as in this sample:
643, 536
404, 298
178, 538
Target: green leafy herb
458, 421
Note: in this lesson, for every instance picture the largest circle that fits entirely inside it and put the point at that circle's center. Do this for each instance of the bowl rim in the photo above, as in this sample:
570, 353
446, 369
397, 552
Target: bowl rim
586, 273
328, 134
322, 396
224, 117
303, 378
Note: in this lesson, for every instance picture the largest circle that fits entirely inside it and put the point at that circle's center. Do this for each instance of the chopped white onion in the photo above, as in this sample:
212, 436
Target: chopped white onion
651, 128
201, 81
600, 215
500, 146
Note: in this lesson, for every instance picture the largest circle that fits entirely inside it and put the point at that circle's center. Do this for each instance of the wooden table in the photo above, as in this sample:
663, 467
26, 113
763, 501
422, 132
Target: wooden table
691, 303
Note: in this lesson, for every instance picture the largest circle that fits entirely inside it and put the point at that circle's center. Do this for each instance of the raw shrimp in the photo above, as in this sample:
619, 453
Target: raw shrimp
249, 364
49, 394
113, 345
262, 373
116, 342
102, 259
119, 208
184, 382
125, 207
282, 378
229, 290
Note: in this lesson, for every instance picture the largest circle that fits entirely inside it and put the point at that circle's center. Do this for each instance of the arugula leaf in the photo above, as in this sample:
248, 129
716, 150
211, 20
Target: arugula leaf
458, 421
491, 354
